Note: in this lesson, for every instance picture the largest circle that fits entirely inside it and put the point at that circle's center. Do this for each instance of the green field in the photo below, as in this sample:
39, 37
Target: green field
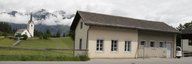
5, 42
64, 42
37, 52
59, 43
1, 37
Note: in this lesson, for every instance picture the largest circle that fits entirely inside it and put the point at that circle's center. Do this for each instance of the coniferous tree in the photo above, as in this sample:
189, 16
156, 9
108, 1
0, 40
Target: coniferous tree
48, 32
58, 34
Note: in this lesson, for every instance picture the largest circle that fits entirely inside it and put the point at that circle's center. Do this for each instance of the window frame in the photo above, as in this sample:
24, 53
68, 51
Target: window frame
114, 45
189, 42
163, 44
99, 48
153, 44
81, 25
127, 46
80, 44
143, 41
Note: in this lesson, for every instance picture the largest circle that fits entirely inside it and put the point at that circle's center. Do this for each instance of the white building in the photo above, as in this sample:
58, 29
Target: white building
29, 31
186, 40
106, 36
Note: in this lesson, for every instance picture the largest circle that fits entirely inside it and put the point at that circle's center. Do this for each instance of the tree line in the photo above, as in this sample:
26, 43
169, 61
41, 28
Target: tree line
7, 30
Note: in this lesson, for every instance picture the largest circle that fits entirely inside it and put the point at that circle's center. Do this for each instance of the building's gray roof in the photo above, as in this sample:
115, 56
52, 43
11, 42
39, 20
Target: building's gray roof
20, 30
124, 22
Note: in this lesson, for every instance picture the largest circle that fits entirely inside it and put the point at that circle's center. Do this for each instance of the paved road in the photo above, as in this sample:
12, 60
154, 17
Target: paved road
186, 60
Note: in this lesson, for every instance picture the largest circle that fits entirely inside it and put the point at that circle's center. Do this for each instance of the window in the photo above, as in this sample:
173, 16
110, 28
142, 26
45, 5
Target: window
81, 25
190, 42
99, 45
161, 44
127, 45
80, 44
114, 45
152, 44
142, 42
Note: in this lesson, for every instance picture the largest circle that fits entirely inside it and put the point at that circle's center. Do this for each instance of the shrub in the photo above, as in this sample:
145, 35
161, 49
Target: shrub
46, 36
83, 58
41, 37
25, 37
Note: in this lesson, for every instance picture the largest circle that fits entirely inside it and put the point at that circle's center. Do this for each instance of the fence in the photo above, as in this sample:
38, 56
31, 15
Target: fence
38, 51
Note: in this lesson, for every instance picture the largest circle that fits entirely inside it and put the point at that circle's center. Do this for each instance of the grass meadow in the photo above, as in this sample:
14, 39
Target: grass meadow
39, 55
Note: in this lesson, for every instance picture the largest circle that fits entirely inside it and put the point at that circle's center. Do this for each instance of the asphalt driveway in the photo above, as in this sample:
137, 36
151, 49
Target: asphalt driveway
186, 60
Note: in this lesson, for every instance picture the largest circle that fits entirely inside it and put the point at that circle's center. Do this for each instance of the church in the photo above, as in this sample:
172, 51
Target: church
29, 31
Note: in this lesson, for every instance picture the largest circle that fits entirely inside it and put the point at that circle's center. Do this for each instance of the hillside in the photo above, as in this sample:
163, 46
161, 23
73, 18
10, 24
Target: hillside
63, 42
34, 43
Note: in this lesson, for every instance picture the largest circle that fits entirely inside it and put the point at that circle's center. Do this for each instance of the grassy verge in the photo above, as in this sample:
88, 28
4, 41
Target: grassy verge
6, 42
63, 42
37, 52
39, 55
1, 37
42, 58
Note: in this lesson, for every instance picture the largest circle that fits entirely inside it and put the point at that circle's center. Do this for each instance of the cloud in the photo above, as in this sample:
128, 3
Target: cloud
172, 12
17, 19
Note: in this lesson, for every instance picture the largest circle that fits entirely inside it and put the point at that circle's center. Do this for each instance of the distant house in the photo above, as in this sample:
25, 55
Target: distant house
106, 36
186, 40
29, 31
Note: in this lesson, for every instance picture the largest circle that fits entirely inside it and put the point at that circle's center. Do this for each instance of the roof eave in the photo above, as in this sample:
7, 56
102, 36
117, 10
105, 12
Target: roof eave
91, 24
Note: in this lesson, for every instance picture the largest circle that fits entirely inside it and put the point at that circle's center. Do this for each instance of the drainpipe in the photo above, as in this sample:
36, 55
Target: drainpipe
144, 51
136, 55
87, 40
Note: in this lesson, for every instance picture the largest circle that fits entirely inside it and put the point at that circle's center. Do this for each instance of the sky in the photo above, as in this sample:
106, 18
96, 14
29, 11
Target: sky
172, 12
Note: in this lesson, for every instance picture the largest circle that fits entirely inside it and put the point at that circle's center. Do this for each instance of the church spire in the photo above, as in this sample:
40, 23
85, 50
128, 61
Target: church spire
31, 18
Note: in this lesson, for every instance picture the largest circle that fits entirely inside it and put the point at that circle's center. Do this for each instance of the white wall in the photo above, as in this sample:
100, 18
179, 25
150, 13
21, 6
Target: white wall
185, 46
31, 28
108, 34
157, 37
81, 33
24, 32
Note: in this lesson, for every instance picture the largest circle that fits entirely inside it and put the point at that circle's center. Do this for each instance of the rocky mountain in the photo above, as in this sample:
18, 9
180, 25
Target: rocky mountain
54, 21
42, 15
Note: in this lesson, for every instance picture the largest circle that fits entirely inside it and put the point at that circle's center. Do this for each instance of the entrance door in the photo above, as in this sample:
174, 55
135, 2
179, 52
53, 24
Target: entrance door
141, 49
168, 51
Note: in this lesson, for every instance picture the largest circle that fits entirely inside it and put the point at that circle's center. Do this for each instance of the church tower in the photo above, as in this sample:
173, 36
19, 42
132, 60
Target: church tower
31, 26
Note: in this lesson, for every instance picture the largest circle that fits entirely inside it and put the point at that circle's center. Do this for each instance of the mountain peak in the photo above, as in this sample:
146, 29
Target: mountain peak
42, 16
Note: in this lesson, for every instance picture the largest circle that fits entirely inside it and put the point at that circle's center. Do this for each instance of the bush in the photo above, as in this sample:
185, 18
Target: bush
46, 36
72, 35
84, 58
41, 37
25, 37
